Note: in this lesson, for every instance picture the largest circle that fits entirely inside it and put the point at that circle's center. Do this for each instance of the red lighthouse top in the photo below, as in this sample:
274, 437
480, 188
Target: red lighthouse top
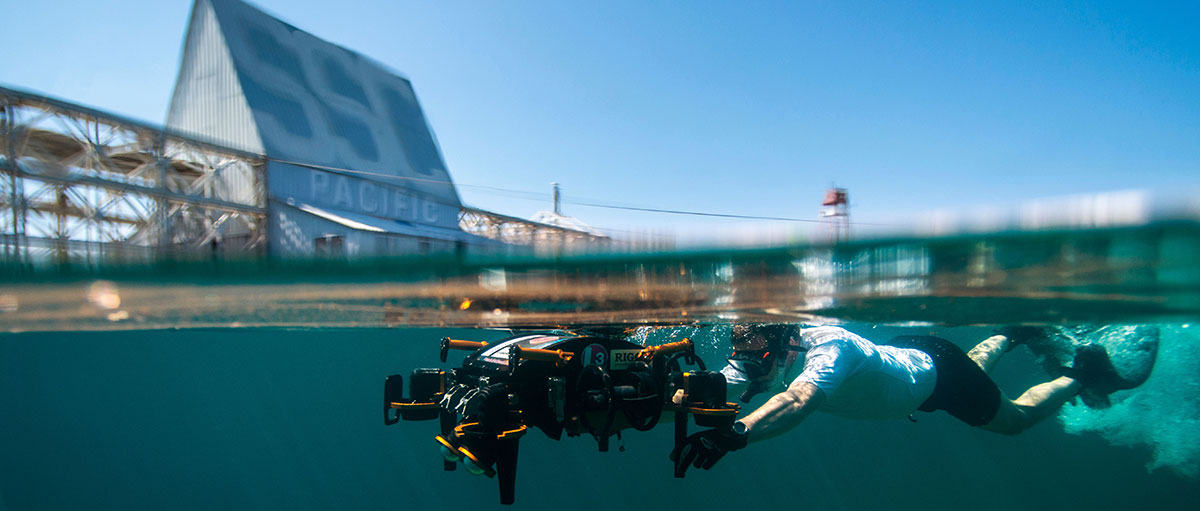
835, 197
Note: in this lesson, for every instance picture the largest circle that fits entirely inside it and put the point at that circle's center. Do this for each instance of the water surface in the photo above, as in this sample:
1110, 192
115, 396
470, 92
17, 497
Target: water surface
257, 385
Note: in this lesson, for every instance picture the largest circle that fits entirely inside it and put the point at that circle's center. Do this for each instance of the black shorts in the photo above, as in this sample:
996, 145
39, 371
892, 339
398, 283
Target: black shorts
962, 389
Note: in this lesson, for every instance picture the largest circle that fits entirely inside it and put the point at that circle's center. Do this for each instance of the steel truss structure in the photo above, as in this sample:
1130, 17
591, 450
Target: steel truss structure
79, 185
518, 231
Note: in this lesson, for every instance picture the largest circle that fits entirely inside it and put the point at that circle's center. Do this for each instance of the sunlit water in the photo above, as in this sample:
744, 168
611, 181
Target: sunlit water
122, 414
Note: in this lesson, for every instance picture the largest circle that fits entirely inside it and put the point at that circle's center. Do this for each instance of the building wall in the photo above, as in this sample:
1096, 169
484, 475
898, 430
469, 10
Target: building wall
340, 131
321, 104
299, 234
208, 102
338, 191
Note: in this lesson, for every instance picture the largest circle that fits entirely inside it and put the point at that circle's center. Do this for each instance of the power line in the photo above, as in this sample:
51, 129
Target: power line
693, 213
538, 196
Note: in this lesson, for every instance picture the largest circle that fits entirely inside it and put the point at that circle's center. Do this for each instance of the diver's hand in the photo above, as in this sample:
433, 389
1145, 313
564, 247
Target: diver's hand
704, 449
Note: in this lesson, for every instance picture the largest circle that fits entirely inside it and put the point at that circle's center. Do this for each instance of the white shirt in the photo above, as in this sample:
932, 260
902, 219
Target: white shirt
861, 380
864, 381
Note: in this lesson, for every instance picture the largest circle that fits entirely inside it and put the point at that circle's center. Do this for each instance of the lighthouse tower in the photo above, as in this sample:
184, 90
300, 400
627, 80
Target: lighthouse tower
836, 213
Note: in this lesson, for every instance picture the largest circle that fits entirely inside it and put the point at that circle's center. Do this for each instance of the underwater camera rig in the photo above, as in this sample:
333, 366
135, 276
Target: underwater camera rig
556, 381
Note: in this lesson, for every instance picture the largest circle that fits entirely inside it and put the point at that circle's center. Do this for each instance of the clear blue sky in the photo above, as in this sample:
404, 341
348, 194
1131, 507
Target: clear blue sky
736, 107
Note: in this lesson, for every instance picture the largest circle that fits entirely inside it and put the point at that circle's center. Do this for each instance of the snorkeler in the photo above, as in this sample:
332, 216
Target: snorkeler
844, 374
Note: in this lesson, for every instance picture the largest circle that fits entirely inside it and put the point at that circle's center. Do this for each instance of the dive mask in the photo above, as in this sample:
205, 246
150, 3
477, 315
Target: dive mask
753, 364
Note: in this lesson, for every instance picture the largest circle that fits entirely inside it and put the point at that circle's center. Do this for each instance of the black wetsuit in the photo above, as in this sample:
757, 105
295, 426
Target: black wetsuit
962, 388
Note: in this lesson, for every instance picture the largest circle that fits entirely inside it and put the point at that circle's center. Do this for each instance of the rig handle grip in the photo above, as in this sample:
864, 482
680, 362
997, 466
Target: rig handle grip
393, 391
666, 349
455, 344
517, 354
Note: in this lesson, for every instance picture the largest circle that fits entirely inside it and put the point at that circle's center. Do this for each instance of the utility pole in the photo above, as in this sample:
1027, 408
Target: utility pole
557, 206
836, 211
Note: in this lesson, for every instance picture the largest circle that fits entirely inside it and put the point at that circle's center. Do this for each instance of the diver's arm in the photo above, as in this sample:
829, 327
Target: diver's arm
826, 366
783, 411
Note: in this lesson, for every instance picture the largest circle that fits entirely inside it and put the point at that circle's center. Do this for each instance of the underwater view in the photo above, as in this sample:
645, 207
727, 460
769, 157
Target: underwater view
257, 385
599, 255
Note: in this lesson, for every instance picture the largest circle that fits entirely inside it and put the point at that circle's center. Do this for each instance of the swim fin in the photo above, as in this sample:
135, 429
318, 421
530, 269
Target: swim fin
1095, 371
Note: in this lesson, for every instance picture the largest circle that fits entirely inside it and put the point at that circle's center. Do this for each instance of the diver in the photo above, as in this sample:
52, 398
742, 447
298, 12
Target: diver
844, 374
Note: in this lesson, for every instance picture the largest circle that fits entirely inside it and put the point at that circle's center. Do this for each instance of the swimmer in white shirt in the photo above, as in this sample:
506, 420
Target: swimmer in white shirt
844, 374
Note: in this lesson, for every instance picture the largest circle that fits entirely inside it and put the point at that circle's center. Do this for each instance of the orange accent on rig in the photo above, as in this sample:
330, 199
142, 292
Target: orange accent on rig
455, 344
665, 349
487, 471
515, 433
731, 410
415, 406
559, 357
461, 430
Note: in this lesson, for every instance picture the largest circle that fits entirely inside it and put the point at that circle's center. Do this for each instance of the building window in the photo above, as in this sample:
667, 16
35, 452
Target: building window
329, 246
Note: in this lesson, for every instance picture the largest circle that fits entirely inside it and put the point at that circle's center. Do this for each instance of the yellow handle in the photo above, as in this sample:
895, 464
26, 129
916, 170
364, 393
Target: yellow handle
665, 349
464, 345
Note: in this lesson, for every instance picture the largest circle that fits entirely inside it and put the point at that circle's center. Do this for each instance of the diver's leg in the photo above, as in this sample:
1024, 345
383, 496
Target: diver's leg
1037, 403
988, 352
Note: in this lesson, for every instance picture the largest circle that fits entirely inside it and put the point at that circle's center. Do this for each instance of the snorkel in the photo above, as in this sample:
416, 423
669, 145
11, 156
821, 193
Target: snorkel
758, 352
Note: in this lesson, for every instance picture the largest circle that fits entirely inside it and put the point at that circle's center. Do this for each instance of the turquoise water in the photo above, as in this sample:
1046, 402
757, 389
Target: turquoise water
250, 385
272, 418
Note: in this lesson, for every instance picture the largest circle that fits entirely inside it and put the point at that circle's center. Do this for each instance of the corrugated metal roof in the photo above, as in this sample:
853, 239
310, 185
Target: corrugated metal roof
208, 100
309, 100
382, 225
